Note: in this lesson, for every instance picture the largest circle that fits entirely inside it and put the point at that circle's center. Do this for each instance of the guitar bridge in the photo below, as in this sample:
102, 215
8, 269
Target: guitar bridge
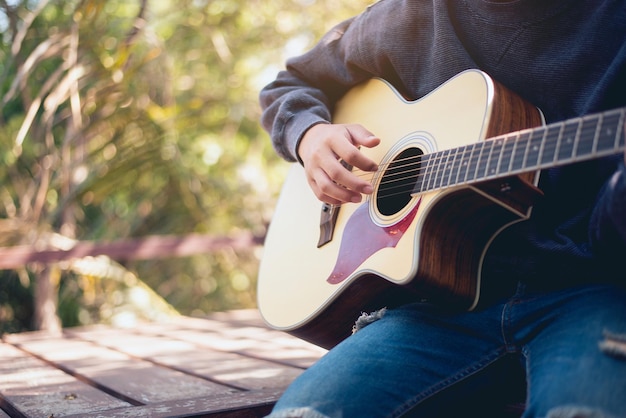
328, 220
328, 217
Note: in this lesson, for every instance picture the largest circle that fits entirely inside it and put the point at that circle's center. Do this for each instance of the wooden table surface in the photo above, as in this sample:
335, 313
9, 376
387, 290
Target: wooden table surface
227, 365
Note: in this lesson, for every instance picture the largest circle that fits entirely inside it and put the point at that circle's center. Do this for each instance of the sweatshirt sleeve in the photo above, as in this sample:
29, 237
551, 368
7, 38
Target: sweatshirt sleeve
353, 51
303, 94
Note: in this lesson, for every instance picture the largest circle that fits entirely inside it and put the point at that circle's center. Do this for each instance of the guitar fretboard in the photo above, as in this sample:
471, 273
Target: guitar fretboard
560, 143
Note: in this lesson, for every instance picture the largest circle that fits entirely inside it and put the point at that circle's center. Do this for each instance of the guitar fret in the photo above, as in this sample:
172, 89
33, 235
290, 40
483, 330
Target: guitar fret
552, 141
451, 166
483, 160
542, 144
448, 170
587, 136
443, 164
568, 141
430, 172
461, 176
495, 157
558, 131
474, 163
609, 128
455, 166
507, 153
436, 171
465, 163
531, 157
521, 146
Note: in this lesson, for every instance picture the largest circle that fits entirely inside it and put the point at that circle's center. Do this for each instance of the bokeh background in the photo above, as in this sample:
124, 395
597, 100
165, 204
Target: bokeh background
125, 119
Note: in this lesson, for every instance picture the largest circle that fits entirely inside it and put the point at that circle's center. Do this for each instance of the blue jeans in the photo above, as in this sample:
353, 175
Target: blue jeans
563, 352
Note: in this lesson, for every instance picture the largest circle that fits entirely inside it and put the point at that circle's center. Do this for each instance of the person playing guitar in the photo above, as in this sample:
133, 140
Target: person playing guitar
463, 160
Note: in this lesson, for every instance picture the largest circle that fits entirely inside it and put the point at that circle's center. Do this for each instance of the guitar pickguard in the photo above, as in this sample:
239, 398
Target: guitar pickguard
362, 238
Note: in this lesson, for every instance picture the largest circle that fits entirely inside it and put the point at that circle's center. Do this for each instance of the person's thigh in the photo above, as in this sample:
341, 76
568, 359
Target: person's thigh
576, 359
395, 363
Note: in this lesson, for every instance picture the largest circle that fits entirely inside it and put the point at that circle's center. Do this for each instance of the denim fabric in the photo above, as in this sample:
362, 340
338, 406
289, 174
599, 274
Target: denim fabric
420, 360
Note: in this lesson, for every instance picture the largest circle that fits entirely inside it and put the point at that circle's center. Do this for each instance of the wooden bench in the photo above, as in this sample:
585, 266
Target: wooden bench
227, 365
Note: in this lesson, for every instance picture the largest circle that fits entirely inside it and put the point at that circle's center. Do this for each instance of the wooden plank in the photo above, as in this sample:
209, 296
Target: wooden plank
115, 372
278, 350
37, 389
256, 341
227, 368
251, 340
240, 405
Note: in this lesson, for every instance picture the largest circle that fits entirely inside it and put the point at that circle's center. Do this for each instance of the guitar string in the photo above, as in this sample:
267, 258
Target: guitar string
440, 172
557, 127
438, 156
441, 175
549, 150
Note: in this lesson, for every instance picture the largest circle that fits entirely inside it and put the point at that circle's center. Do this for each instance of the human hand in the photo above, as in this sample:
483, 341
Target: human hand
322, 150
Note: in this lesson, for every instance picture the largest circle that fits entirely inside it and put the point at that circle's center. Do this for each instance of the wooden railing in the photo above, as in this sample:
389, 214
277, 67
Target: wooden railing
151, 247
45, 315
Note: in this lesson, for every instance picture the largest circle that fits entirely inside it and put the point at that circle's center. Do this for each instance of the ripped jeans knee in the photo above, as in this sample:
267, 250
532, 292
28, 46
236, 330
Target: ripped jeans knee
367, 318
614, 345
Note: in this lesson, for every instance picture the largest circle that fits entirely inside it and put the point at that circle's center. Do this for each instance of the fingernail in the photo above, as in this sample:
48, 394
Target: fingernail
356, 199
368, 189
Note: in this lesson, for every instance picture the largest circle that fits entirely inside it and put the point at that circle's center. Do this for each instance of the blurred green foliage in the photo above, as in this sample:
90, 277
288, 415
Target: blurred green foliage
126, 118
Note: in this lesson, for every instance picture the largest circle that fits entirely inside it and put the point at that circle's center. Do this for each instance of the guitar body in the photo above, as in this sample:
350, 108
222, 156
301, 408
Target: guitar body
386, 251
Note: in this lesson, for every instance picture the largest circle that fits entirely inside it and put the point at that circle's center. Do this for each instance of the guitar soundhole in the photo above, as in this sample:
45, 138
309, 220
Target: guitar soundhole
397, 182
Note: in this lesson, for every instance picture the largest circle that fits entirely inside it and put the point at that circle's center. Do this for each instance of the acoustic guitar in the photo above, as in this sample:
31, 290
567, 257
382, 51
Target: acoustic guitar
455, 168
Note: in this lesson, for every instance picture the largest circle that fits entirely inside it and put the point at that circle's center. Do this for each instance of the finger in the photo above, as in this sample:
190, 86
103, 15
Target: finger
343, 184
361, 137
327, 190
337, 170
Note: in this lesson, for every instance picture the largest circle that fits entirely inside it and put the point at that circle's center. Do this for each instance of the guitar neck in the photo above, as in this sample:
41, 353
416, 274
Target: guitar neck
560, 143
